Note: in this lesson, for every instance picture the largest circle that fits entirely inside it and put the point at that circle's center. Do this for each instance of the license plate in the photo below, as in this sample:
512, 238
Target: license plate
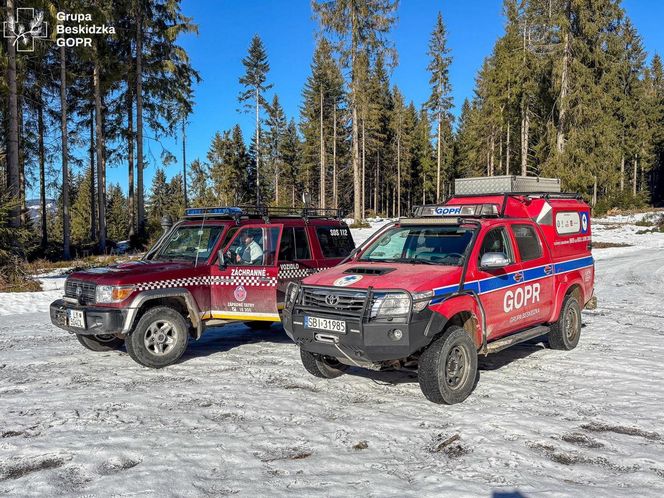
76, 318
314, 322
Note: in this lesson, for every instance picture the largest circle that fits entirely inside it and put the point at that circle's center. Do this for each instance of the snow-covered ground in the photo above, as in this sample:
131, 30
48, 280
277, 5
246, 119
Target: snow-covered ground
239, 415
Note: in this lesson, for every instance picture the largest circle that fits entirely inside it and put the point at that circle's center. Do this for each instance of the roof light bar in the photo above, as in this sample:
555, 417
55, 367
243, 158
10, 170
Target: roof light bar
219, 211
458, 210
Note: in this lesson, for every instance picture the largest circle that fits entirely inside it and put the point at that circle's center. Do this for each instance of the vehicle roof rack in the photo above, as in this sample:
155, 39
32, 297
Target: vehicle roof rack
546, 195
264, 212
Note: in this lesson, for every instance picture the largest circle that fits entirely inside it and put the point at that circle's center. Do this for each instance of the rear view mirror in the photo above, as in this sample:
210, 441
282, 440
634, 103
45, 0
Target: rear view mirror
494, 260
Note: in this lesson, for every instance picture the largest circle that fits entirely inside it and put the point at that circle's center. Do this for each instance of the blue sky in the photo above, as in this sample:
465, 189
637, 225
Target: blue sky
287, 30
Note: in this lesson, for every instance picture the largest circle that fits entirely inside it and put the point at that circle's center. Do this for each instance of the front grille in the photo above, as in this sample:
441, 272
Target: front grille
86, 295
333, 301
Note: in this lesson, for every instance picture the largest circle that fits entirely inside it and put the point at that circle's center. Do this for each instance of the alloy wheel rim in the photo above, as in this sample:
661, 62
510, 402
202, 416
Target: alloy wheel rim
160, 337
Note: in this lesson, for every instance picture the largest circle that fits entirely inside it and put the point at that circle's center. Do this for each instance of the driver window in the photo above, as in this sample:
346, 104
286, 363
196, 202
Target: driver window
253, 246
496, 240
247, 248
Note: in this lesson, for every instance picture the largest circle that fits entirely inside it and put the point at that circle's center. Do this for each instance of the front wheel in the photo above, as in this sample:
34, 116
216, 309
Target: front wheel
99, 343
159, 339
448, 367
324, 367
566, 332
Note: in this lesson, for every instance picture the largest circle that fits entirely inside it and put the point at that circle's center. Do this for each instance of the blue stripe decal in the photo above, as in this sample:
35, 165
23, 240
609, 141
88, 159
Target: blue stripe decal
496, 283
566, 266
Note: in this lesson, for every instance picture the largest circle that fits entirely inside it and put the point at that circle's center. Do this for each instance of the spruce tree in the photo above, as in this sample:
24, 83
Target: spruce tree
440, 100
276, 126
255, 85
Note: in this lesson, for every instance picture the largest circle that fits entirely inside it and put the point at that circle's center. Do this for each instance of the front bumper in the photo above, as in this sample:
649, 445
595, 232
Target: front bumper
98, 320
365, 341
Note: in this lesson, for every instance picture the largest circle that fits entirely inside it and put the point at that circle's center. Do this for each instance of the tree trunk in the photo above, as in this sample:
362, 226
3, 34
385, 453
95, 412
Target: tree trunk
595, 192
101, 201
376, 179
321, 193
42, 167
334, 157
364, 169
622, 172
130, 157
525, 124
258, 148
500, 149
65, 168
492, 149
524, 117
438, 158
93, 195
507, 151
12, 135
399, 174
635, 174
184, 162
562, 99
21, 163
140, 204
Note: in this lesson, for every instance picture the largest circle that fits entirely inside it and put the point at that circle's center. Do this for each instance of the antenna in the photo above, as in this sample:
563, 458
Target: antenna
200, 236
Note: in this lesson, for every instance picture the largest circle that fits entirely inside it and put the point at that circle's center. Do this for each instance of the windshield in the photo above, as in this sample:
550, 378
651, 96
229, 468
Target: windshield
189, 241
438, 245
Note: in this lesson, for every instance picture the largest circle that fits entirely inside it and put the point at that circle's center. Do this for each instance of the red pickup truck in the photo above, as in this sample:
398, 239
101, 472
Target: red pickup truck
473, 276
215, 266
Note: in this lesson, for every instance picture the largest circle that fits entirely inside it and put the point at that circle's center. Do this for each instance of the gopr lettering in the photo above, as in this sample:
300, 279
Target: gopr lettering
521, 296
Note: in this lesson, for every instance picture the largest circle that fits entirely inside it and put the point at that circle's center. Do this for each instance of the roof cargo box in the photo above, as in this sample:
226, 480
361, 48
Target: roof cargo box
505, 184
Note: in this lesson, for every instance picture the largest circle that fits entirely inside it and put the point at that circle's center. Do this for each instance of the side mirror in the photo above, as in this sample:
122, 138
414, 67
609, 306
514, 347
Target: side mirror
221, 259
494, 260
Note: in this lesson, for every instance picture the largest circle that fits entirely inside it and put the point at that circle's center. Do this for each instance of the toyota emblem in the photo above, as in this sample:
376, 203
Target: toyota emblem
331, 300
79, 291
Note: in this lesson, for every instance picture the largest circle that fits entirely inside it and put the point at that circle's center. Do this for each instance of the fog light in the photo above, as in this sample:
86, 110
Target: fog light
395, 334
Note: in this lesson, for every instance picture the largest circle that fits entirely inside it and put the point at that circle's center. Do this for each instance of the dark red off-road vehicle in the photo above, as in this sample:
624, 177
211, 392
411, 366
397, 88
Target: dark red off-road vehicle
215, 266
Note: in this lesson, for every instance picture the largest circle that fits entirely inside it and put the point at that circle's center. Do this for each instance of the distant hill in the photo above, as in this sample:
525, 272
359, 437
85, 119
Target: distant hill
34, 208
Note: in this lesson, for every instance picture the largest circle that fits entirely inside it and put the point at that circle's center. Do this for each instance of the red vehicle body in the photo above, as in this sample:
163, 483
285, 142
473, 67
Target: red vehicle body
474, 275
196, 276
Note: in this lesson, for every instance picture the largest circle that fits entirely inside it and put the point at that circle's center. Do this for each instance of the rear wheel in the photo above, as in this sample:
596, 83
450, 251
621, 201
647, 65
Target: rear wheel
448, 367
566, 332
102, 342
324, 367
159, 339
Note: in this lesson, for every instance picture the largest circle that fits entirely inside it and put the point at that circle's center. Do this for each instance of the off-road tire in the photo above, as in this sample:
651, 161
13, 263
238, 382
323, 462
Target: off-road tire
100, 343
447, 369
323, 367
147, 353
565, 333
259, 325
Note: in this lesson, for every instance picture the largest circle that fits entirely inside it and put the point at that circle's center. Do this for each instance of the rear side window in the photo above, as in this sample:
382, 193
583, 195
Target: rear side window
294, 244
335, 242
527, 241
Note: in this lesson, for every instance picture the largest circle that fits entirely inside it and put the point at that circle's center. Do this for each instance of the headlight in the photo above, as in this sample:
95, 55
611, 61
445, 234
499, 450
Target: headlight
291, 292
421, 300
392, 304
112, 293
